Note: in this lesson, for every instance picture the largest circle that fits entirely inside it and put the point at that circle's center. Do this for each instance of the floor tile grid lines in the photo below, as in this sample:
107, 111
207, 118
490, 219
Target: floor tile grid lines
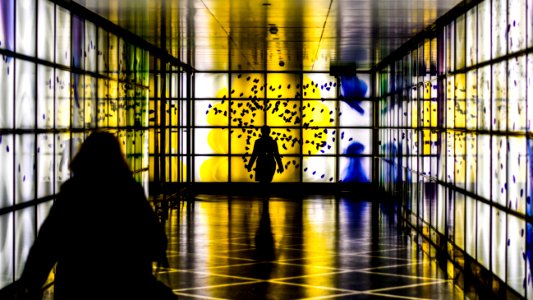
228, 266
380, 256
335, 268
218, 285
441, 281
393, 266
199, 296
398, 275
210, 255
362, 293
282, 280
288, 261
344, 292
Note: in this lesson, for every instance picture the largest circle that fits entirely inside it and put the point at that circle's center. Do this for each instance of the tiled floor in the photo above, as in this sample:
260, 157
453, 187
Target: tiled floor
312, 248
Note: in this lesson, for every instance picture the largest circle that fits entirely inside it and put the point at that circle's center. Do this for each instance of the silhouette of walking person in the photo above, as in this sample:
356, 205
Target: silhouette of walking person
267, 155
101, 233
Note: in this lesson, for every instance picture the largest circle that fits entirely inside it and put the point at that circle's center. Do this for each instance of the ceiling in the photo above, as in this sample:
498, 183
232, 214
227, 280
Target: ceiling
274, 35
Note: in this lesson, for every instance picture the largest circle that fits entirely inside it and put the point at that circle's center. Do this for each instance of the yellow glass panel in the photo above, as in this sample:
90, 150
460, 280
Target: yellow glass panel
460, 100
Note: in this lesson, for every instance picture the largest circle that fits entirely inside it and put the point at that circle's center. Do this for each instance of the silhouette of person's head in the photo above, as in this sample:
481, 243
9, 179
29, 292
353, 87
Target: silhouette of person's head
265, 130
100, 155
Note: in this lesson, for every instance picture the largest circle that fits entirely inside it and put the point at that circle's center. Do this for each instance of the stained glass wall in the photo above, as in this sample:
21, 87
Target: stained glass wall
322, 125
455, 117
60, 77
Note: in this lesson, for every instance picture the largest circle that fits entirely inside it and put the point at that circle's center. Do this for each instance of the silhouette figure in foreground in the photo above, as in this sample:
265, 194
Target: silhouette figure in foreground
267, 155
101, 233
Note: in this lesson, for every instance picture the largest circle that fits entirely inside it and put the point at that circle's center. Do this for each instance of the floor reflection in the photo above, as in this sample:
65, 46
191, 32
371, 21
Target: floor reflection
283, 248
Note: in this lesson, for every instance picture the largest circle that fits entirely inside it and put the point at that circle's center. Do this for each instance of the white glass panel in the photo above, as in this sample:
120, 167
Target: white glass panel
45, 90
471, 226
25, 26
484, 96
7, 92
483, 234
25, 232
24, 167
211, 112
471, 161
517, 94
499, 96
484, 31
42, 212
483, 164
6, 249
441, 209
499, 28
516, 249
214, 85
62, 158
25, 95
90, 47
63, 41
326, 84
6, 171
529, 87
529, 25
499, 242
361, 115
499, 170
471, 37
103, 54
517, 25
45, 165
318, 169
45, 28
516, 178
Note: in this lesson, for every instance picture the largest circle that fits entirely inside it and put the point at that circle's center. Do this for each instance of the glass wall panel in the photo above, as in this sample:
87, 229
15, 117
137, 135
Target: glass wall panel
478, 142
45, 28
318, 169
6, 249
25, 95
25, 26
7, 104
7, 186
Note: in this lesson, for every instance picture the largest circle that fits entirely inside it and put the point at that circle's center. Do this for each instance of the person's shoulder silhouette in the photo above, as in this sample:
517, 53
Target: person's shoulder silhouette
100, 229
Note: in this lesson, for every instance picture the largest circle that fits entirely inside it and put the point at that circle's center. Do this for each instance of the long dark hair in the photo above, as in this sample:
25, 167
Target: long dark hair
100, 156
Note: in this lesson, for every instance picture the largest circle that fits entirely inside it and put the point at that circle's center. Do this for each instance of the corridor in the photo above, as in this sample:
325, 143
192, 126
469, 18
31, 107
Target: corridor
312, 248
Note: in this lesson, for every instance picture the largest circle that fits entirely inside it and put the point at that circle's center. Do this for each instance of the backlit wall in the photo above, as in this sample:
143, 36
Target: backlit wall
456, 116
322, 125
60, 77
